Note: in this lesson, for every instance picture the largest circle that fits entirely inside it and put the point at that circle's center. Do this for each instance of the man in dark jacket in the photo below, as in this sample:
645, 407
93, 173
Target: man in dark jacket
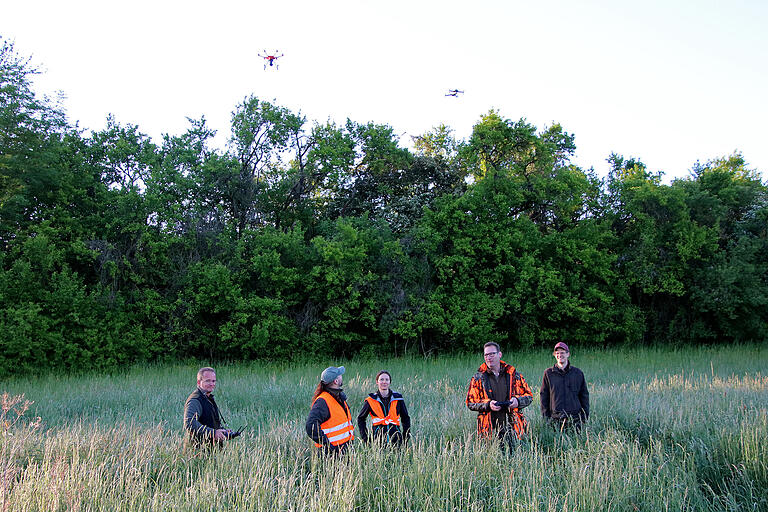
202, 419
564, 396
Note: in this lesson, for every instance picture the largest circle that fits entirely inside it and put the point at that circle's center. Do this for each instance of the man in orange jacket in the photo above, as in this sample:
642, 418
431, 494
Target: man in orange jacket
329, 423
498, 393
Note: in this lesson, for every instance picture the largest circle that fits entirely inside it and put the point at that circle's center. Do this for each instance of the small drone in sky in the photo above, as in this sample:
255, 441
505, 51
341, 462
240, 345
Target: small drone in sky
271, 58
454, 92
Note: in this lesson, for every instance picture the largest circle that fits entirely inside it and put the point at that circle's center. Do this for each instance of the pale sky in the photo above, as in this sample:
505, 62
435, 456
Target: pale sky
669, 82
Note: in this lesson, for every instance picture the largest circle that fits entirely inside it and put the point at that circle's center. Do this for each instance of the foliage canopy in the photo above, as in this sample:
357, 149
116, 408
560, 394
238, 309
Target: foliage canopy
331, 240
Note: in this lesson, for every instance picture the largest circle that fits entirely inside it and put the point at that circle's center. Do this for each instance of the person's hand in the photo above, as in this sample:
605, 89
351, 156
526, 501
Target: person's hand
220, 435
514, 403
495, 406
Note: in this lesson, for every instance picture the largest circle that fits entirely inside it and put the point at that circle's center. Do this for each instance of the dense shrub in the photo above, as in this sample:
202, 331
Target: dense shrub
334, 241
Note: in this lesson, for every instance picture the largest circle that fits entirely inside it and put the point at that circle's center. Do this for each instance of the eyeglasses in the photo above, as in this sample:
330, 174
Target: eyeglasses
490, 354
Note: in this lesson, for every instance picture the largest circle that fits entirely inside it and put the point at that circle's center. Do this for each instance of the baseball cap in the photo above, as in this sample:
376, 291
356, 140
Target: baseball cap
330, 374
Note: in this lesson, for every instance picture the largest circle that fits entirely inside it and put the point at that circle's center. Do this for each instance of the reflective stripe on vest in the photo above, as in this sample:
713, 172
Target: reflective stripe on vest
377, 412
338, 428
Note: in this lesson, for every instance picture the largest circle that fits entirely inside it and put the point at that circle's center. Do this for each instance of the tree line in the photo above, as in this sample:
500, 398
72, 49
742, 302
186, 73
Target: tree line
309, 239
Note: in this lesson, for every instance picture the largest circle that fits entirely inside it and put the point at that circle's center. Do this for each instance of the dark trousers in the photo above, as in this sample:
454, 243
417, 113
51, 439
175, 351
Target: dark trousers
507, 436
566, 424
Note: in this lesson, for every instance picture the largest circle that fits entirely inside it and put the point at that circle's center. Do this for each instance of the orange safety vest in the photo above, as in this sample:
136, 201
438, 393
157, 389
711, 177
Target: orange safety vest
338, 428
377, 412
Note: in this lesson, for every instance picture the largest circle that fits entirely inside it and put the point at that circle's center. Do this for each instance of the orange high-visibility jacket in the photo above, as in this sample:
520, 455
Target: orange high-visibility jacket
338, 428
478, 400
378, 419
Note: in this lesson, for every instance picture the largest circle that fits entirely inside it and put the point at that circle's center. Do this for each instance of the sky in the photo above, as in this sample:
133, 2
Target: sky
669, 82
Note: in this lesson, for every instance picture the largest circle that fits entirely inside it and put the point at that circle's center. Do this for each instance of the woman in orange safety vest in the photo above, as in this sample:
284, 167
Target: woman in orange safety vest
329, 423
388, 413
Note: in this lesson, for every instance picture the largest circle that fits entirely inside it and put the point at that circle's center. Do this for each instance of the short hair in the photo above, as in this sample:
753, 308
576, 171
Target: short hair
492, 344
202, 371
382, 372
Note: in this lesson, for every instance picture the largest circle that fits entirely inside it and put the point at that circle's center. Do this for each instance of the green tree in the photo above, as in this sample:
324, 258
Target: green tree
34, 176
438, 143
659, 245
728, 297
499, 277
261, 135
523, 256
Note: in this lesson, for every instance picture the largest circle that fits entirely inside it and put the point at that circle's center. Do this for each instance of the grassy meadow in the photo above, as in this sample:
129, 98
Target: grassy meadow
671, 429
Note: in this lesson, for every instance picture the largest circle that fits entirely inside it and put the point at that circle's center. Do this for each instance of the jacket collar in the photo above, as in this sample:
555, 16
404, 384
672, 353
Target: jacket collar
337, 394
503, 368
377, 395
202, 393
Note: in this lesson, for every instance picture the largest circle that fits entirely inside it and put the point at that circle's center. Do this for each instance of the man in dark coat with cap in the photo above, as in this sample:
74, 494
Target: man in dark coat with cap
564, 395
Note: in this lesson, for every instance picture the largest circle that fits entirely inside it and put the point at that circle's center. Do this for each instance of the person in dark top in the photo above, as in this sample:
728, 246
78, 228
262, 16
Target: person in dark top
329, 423
202, 419
564, 395
388, 413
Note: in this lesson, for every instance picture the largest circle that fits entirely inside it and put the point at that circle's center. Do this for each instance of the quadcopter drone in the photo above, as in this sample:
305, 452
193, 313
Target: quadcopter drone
271, 58
454, 92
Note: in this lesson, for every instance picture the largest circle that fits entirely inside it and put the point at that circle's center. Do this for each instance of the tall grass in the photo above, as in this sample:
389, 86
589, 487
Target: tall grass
670, 429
